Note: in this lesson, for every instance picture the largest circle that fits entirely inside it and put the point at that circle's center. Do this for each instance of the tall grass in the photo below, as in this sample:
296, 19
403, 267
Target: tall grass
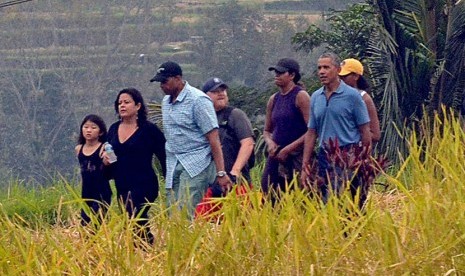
30, 203
417, 227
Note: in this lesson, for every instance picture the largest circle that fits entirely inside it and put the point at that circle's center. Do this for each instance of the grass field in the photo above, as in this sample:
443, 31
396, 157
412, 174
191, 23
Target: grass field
413, 225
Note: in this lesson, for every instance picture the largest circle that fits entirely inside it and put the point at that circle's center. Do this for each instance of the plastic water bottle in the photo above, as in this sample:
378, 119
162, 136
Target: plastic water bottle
110, 152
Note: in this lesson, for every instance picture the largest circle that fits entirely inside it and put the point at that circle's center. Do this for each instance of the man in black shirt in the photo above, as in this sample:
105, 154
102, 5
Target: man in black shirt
236, 134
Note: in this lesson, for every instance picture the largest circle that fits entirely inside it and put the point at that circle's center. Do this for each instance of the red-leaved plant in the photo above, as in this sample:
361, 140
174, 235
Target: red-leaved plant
349, 162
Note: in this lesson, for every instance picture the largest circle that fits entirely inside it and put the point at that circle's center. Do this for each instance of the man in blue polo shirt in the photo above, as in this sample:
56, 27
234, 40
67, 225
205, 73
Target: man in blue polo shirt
337, 111
194, 158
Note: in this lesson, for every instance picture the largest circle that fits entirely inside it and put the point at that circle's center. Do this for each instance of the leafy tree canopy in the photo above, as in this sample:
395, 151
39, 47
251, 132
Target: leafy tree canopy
346, 32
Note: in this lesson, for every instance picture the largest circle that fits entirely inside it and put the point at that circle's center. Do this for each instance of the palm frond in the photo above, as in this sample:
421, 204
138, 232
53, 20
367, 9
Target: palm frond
260, 146
155, 114
380, 64
400, 64
453, 79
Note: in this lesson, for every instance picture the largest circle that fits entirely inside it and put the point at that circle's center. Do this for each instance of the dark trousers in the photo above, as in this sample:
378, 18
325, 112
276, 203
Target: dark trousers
271, 180
135, 204
277, 175
336, 177
98, 207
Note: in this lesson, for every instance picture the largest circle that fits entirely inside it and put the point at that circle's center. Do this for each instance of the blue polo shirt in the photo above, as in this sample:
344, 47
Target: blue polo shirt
186, 123
340, 116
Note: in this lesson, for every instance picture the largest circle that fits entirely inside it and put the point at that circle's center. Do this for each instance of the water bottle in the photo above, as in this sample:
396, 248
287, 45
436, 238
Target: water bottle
110, 153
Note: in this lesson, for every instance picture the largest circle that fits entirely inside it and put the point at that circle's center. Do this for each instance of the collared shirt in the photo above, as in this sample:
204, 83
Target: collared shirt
186, 122
339, 116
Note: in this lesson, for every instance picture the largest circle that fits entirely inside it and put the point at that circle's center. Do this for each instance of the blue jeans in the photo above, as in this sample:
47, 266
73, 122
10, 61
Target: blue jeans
188, 191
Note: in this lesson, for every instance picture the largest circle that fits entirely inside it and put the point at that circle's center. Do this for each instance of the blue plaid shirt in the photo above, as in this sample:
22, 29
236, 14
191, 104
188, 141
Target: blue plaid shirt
186, 123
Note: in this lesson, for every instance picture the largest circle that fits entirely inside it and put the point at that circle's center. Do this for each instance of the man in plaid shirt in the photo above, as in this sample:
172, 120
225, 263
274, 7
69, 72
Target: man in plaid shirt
193, 151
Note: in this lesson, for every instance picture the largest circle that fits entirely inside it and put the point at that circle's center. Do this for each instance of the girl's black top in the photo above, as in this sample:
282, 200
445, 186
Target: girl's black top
95, 184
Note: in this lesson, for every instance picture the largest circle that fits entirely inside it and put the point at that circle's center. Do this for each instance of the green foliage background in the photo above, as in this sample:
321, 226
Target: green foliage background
406, 47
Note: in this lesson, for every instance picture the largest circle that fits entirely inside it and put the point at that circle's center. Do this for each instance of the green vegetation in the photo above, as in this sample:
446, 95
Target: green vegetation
61, 60
417, 227
413, 52
33, 205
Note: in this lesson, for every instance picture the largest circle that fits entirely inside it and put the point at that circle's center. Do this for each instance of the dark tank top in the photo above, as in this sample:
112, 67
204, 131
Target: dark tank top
94, 183
288, 122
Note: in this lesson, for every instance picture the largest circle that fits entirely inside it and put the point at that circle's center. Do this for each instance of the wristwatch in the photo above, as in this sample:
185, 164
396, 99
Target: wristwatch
221, 173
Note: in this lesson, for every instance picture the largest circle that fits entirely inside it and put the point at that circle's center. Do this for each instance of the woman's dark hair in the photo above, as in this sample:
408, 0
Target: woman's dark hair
363, 84
297, 76
137, 97
99, 122
292, 67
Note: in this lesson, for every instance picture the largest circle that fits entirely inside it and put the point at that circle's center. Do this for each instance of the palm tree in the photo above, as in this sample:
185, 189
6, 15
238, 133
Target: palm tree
415, 56
154, 114
452, 79
416, 45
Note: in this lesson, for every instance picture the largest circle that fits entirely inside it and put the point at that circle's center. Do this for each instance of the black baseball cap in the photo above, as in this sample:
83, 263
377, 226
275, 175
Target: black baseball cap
166, 70
212, 84
287, 65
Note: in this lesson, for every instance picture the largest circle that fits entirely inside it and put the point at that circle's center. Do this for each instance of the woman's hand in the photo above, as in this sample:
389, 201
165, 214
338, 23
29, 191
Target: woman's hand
283, 154
272, 148
105, 158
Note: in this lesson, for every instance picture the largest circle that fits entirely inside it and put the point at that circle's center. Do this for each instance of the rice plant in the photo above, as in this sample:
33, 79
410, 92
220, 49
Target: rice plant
417, 226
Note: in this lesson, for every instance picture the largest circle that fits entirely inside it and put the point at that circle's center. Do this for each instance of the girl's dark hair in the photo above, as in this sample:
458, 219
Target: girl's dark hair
137, 97
363, 84
99, 122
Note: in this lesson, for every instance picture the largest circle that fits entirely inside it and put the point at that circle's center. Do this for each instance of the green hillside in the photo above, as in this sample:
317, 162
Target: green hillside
61, 60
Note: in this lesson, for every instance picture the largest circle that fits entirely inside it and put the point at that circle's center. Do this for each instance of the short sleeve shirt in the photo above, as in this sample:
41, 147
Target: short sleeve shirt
339, 116
242, 128
186, 123
239, 122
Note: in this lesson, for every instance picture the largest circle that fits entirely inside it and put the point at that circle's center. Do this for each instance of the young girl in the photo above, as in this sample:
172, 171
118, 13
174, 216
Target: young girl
96, 189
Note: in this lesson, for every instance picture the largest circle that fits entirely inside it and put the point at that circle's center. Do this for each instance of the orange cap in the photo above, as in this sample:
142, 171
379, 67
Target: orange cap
351, 65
